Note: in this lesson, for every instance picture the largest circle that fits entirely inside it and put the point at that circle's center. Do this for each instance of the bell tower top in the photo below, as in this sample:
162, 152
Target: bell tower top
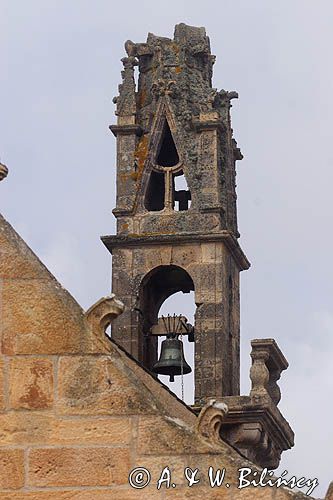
176, 205
175, 151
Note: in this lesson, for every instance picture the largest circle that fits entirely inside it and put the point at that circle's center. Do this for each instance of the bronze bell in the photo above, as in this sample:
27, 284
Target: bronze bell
172, 361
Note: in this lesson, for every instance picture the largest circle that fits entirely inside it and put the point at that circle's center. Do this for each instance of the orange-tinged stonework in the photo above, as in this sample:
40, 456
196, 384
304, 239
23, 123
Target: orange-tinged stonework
77, 414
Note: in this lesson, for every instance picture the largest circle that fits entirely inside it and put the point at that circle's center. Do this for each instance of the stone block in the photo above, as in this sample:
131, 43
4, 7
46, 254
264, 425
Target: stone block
102, 466
139, 261
198, 493
208, 252
184, 255
224, 459
11, 469
111, 493
156, 464
31, 383
40, 317
152, 258
166, 255
2, 385
122, 258
17, 259
124, 282
19, 428
98, 385
162, 436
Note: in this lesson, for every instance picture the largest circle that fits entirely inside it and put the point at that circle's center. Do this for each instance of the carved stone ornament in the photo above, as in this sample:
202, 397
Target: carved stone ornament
126, 104
164, 87
211, 419
103, 312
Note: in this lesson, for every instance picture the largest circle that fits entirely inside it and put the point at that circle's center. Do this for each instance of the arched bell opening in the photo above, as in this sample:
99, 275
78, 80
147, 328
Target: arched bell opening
157, 286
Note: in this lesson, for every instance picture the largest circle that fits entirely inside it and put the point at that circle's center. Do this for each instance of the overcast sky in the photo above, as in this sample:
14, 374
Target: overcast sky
59, 71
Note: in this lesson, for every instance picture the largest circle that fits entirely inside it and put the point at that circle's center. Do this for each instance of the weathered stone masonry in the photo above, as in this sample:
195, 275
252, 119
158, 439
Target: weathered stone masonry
175, 124
172, 123
77, 414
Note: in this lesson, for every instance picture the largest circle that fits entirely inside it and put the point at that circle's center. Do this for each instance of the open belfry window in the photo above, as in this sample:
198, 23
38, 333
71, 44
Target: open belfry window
181, 192
167, 187
168, 155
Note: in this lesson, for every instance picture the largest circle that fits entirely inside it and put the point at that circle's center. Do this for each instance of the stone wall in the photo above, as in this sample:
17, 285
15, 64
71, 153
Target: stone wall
77, 413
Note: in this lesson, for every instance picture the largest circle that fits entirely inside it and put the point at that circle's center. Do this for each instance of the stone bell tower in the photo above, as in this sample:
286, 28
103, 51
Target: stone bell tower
176, 204
177, 232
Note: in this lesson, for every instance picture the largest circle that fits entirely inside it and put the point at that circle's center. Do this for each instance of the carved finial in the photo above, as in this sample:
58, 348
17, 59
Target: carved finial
3, 171
130, 48
126, 102
129, 62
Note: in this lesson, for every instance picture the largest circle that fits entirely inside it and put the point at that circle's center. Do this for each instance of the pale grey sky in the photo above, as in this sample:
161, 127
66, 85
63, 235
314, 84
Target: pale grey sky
59, 71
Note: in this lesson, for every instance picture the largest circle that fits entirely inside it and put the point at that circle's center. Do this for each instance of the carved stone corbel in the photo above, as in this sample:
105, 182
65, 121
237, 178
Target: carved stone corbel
246, 435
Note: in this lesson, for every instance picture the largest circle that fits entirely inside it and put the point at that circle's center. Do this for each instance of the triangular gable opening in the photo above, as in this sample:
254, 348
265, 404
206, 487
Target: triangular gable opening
167, 155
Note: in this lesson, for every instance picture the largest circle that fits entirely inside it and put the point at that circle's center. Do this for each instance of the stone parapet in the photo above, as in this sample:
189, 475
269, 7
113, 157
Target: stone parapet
253, 424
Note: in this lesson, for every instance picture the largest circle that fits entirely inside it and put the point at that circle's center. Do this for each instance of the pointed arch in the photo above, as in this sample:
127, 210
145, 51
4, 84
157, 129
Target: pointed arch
162, 115
167, 154
163, 119
163, 165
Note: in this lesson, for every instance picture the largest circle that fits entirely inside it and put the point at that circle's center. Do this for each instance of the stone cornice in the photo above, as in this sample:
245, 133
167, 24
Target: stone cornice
246, 409
139, 240
276, 357
126, 130
256, 428
243, 409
